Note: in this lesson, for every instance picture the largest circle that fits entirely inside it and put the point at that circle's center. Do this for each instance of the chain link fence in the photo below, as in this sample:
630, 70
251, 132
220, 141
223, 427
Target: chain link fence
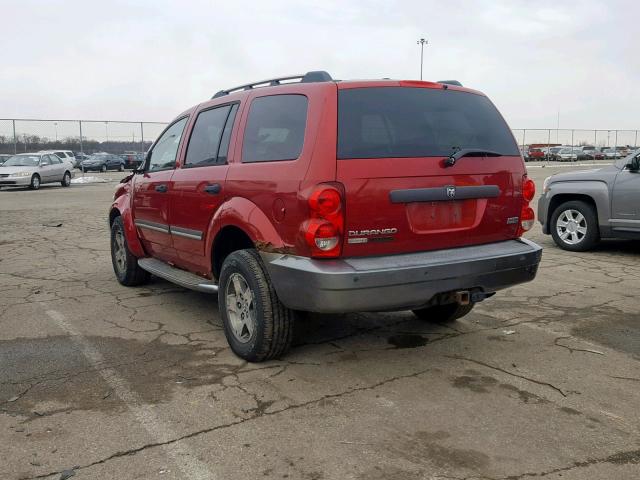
91, 136
80, 136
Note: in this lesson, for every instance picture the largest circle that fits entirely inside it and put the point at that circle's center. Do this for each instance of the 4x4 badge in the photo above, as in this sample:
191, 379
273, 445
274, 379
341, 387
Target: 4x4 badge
451, 192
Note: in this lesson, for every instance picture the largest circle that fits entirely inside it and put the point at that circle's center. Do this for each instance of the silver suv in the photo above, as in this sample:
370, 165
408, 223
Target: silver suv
64, 155
579, 208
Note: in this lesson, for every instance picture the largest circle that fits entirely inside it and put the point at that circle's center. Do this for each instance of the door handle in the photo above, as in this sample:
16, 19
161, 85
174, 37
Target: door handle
213, 189
161, 188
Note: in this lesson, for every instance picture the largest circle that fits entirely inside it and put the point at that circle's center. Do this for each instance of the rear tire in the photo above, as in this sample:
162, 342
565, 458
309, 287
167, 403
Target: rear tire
446, 313
125, 265
66, 180
35, 182
257, 325
574, 226
121, 168
103, 168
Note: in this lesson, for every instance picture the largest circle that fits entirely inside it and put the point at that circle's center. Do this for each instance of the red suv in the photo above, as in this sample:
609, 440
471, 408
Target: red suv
308, 194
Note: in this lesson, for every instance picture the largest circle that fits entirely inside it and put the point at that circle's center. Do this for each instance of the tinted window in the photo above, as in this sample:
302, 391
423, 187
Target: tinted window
163, 155
205, 138
61, 154
417, 122
226, 135
275, 128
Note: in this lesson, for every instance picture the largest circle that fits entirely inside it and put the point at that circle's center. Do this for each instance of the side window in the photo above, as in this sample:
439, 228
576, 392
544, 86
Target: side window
53, 160
275, 128
205, 137
226, 135
165, 151
44, 160
61, 155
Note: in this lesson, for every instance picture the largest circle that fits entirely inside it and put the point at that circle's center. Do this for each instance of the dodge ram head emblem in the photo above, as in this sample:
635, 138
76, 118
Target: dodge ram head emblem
451, 192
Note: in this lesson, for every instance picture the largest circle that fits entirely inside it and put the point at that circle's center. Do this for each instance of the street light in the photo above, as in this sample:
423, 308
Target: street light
422, 42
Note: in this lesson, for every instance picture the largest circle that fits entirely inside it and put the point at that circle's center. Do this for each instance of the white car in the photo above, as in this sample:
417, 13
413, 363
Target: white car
65, 155
568, 154
34, 169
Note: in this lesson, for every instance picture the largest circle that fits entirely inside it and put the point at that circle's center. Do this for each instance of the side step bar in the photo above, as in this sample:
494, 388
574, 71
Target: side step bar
177, 276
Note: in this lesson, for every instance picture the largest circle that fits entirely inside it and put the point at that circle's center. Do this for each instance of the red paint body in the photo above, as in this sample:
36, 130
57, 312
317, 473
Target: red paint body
268, 201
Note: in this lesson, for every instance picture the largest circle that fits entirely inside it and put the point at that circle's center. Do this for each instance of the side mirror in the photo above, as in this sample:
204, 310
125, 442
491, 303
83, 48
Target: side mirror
634, 164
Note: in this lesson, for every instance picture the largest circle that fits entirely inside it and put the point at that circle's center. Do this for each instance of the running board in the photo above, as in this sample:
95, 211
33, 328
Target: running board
177, 276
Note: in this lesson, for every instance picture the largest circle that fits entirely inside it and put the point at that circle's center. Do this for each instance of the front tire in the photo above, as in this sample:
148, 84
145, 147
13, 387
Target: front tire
257, 326
447, 313
121, 168
574, 226
125, 265
66, 180
103, 168
35, 182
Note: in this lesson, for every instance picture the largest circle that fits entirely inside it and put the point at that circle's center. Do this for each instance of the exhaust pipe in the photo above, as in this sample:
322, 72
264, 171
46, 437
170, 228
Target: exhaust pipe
463, 297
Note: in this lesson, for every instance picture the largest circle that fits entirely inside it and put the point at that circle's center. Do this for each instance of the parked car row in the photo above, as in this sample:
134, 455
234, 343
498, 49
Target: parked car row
101, 161
567, 153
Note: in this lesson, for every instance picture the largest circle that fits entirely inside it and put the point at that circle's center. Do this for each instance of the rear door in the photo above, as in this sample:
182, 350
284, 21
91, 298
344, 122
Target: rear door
199, 184
400, 194
46, 170
151, 192
58, 167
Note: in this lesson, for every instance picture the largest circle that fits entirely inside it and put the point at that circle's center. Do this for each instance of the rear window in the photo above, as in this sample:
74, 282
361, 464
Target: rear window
418, 122
275, 128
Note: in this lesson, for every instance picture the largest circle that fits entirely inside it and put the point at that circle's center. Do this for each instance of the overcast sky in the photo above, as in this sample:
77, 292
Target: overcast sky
149, 60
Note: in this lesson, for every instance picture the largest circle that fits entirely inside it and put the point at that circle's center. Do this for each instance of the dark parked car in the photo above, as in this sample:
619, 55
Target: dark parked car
132, 159
81, 157
103, 162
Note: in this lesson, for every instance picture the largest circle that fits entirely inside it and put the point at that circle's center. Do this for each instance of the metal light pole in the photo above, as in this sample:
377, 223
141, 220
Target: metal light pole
55, 124
422, 42
106, 131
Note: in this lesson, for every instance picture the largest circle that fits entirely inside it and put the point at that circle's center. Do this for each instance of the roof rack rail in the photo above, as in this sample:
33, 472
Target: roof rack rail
309, 77
450, 82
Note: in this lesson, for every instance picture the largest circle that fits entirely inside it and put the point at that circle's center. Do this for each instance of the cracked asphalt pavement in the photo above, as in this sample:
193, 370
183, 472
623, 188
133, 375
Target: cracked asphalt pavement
100, 381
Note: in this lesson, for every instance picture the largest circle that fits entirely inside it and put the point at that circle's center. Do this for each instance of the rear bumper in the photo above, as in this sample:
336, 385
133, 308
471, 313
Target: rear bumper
399, 282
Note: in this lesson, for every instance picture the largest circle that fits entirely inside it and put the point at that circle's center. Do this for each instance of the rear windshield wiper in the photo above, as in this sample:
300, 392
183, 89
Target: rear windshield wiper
451, 160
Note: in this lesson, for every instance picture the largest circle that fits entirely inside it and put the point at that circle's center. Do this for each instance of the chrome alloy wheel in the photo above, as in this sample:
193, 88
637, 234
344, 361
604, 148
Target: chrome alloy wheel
119, 252
241, 308
571, 227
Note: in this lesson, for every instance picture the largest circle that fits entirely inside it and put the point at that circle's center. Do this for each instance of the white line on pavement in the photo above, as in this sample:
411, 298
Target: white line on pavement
183, 458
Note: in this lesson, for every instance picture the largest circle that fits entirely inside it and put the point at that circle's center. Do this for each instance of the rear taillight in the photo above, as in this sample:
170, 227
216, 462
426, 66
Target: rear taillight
527, 216
323, 231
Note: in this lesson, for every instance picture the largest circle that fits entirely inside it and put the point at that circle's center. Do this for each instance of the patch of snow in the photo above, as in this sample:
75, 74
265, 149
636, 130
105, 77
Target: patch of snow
81, 180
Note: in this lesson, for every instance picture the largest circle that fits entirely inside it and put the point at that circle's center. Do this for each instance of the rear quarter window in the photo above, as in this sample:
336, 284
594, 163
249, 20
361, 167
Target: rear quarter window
275, 128
418, 122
